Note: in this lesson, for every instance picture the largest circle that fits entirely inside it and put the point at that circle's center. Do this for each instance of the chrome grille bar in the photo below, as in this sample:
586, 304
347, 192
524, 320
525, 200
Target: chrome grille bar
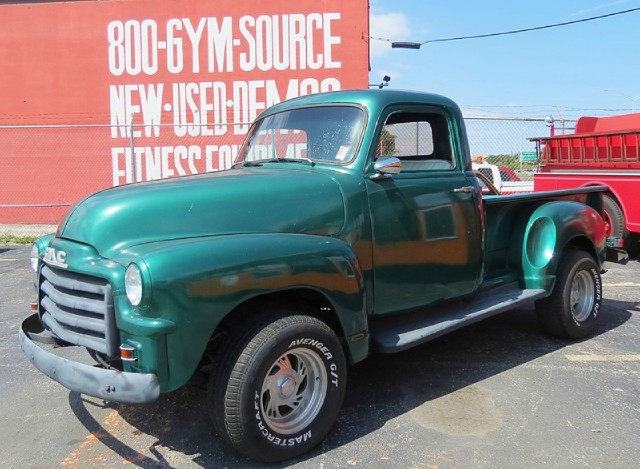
78, 309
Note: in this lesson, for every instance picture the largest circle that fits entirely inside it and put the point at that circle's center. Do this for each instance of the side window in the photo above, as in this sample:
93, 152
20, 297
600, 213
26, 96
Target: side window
420, 140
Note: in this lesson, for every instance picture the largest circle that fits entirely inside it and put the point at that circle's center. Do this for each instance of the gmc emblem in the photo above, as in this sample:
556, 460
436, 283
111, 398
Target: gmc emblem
56, 258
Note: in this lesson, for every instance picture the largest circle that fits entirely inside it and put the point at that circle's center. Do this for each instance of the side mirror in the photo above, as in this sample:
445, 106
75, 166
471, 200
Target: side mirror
386, 166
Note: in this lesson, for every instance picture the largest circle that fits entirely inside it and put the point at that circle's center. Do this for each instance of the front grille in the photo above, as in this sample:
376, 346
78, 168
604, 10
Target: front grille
78, 309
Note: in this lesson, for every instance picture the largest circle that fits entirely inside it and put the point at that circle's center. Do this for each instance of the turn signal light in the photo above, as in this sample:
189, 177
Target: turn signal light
33, 306
127, 353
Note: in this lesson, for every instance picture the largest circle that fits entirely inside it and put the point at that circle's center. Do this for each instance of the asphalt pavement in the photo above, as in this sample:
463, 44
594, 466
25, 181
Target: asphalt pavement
497, 394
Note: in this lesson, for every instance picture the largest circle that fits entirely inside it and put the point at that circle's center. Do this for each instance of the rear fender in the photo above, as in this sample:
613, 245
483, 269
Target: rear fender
552, 228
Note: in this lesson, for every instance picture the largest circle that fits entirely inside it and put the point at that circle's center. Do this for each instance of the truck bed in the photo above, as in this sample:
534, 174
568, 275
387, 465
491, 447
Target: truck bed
504, 211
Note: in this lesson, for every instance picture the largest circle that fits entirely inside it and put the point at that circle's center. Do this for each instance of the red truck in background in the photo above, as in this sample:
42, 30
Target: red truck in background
602, 151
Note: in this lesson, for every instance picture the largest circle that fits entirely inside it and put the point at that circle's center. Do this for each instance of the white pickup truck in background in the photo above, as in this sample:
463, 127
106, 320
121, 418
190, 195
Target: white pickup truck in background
504, 179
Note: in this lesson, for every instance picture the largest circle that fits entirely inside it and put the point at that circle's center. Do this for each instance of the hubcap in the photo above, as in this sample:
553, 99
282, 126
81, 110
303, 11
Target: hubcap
293, 391
287, 387
582, 296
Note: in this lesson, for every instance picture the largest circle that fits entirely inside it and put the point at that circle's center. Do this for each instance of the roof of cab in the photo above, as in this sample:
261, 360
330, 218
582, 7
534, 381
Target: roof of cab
370, 99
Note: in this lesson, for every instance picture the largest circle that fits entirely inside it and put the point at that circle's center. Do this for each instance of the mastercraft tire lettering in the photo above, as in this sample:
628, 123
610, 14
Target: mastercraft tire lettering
278, 390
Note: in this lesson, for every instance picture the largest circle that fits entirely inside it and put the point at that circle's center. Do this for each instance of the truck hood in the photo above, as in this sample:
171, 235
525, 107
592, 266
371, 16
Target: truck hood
247, 200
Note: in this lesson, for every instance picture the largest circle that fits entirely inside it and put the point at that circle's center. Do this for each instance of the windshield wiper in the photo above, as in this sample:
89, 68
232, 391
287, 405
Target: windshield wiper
291, 160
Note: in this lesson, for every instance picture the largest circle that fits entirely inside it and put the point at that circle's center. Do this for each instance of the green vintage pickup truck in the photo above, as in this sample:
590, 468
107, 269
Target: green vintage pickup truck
351, 224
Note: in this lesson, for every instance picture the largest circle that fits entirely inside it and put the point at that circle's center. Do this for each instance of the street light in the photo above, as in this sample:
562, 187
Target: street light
633, 99
405, 45
551, 123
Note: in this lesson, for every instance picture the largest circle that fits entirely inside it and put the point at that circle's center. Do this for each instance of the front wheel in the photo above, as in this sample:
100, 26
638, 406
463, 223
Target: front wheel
279, 387
573, 306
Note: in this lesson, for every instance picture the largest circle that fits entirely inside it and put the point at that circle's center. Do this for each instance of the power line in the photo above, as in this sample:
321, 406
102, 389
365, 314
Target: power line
515, 31
518, 106
570, 113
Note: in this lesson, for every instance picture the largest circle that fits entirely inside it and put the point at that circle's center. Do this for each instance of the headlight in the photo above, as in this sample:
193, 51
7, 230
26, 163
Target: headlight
133, 284
35, 257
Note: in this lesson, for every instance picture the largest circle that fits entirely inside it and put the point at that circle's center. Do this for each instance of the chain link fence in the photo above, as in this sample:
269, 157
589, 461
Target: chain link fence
47, 169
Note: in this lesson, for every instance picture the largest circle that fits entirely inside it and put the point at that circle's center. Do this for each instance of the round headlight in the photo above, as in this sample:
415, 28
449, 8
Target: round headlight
133, 284
35, 256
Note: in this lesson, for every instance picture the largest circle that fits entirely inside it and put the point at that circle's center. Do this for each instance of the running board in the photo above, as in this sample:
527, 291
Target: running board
398, 333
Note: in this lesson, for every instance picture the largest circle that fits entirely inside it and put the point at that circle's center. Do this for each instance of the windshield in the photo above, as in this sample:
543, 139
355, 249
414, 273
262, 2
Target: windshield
320, 134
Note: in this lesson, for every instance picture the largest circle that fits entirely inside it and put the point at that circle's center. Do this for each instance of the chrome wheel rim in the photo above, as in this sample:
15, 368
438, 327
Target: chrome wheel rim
582, 296
293, 391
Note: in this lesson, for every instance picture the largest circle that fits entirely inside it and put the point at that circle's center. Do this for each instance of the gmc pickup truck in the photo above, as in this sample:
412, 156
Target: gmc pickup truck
351, 224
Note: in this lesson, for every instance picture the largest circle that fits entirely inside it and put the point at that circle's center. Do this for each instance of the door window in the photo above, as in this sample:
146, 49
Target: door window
420, 140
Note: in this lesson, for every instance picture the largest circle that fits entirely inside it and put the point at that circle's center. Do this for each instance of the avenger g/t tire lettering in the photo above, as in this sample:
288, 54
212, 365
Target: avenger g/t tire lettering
279, 387
572, 308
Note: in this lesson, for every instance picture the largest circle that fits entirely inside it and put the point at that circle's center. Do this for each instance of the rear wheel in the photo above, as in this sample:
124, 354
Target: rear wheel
573, 306
614, 217
616, 225
277, 390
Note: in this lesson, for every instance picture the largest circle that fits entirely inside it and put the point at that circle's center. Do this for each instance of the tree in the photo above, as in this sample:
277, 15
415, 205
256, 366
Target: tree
510, 161
387, 144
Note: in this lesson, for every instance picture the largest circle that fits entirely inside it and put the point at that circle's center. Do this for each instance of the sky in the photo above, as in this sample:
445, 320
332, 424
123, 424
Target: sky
589, 68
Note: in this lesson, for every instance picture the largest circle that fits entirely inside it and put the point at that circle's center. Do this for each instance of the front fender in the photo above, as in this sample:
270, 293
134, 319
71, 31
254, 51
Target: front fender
197, 282
550, 230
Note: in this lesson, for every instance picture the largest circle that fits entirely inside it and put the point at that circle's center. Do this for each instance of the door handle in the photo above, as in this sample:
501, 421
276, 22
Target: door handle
463, 189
